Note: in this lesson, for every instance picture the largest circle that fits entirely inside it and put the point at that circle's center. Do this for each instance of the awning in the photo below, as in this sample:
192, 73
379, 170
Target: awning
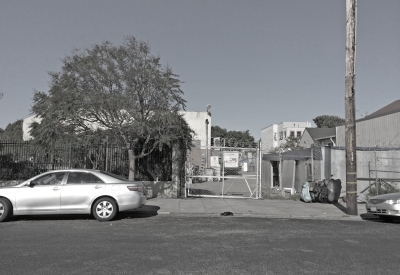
302, 154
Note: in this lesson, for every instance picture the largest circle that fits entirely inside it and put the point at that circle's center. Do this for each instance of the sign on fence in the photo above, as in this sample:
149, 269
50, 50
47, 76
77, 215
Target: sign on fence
231, 159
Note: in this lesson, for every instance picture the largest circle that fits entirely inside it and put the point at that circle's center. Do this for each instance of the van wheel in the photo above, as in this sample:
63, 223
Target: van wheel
5, 209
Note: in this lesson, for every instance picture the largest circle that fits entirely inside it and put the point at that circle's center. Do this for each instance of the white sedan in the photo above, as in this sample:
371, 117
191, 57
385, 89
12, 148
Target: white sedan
72, 191
386, 206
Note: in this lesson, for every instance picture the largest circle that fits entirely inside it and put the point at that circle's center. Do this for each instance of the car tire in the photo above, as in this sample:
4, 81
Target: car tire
104, 209
386, 218
5, 209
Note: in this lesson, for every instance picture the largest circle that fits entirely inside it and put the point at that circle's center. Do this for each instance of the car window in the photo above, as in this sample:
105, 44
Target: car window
81, 178
114, 176
50, 179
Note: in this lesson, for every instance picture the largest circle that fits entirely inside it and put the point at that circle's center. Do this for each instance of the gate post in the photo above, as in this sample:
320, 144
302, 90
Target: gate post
177, 169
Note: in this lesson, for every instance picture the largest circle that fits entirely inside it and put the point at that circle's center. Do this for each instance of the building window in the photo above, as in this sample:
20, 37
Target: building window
292, 133
298, 133
284, 133
280, 135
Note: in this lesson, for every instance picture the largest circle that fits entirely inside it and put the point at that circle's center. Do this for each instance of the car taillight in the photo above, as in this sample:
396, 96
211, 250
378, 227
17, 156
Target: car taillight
135, 188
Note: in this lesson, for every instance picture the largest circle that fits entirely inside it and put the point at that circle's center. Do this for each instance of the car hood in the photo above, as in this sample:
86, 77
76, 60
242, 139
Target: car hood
391, 196
8, 187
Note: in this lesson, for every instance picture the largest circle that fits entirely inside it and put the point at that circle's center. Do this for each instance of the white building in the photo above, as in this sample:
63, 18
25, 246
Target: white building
200, 122
276, 134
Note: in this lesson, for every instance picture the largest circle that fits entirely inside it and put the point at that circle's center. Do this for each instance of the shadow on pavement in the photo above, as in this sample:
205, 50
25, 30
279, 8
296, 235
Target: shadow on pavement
143, 212
341, 207
374, 218
366, 216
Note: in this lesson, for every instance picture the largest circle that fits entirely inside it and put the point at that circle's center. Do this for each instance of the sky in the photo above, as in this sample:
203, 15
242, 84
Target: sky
256, 62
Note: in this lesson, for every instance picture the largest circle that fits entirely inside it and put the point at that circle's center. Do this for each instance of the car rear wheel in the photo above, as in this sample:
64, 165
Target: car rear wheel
105, 209
5, 209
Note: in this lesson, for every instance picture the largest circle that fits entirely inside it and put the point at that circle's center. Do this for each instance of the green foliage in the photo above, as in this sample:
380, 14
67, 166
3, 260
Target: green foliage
120, 92
13, 131
292, 143
11, 169
382, 189
238, 137
326, 121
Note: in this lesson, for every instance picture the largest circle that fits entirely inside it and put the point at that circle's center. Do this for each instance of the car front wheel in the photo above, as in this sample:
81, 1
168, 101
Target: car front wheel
105, 209
386, 218
5, 209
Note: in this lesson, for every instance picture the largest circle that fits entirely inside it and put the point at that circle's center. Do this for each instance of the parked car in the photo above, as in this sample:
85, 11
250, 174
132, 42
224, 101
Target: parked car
385, 206
72, 191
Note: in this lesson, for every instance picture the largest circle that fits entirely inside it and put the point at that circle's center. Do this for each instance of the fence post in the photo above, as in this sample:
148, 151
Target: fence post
70, 155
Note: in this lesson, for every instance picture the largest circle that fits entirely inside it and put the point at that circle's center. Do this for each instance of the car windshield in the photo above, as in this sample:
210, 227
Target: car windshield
114, 176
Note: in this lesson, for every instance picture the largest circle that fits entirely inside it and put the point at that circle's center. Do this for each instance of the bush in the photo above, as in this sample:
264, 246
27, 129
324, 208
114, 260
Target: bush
386, 189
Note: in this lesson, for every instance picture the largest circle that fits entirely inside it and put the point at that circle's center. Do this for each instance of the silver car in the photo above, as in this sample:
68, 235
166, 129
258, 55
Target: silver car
385, 206
72, 191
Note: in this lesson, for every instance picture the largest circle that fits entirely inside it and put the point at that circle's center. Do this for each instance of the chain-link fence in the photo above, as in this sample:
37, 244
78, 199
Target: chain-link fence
223, 172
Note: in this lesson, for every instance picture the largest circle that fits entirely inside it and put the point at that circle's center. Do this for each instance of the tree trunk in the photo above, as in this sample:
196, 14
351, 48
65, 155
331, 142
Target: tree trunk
131, 165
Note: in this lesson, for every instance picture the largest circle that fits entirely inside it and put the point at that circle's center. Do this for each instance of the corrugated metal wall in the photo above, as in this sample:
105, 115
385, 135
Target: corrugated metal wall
381, 132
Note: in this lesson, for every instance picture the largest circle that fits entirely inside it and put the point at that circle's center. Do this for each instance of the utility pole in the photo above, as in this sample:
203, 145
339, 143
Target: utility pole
350, 127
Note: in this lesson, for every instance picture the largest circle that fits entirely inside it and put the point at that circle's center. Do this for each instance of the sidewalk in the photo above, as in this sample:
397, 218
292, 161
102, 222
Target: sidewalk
253, 208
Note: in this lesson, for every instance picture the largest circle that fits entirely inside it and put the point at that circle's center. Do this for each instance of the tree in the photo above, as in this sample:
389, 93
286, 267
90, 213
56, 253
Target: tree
122, 90
13, 131
292, 143
233, 138
326, 121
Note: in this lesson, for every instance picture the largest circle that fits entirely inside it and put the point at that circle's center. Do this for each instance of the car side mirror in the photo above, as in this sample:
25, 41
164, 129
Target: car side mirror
31, 184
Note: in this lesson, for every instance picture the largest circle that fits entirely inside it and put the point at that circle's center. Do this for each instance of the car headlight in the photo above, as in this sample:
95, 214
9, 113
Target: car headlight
392, 201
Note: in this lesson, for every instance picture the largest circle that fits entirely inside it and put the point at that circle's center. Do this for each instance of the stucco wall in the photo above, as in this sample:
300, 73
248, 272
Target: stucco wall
26, 124
197, 121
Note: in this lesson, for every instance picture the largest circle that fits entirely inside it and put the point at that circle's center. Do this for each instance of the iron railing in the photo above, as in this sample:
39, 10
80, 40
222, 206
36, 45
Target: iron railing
23, 159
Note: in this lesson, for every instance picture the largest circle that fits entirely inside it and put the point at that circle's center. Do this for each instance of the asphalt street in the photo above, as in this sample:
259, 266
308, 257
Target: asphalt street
186, 244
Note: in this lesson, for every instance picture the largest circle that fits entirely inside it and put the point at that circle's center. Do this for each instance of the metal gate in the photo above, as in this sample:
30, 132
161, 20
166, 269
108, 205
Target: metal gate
227, 172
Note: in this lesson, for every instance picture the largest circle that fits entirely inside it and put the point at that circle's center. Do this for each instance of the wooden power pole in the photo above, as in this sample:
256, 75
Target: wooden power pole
350, 128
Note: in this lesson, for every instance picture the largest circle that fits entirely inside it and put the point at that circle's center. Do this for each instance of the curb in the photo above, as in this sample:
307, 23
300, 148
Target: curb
247, 215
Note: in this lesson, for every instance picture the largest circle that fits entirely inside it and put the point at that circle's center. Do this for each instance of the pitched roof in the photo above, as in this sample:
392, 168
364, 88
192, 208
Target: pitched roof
320, 133
393, 107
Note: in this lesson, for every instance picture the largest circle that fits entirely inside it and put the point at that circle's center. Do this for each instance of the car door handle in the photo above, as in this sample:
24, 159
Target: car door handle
56, 188
98, 186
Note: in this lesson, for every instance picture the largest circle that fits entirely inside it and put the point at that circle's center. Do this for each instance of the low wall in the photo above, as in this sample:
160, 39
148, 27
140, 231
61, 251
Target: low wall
161, 189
